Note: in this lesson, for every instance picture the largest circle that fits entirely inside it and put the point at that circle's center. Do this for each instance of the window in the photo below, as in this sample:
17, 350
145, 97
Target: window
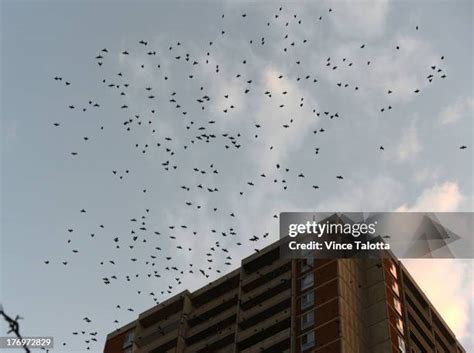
393, 270
128, 341
395, 288
307, 300
306, 264
307, 340
307, 281
400, 325
307, 319
397, 305
401, 345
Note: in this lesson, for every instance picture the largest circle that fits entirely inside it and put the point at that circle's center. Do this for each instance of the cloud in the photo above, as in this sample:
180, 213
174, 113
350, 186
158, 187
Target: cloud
409, 146
424, 175
455, 112
404, 70
361, 19
453, 301
440, 198
377, 194
273, 118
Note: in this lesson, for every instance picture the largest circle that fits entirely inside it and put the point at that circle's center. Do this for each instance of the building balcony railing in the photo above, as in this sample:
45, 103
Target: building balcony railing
427, 344
222, 316
214, 307
272, 288
263, 325
161, 344
268, 342
258, 310
164, 326
264, 275
420, 321
441, 339
218, 340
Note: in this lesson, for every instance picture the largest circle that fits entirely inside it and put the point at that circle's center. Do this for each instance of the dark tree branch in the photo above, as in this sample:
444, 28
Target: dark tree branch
14, 326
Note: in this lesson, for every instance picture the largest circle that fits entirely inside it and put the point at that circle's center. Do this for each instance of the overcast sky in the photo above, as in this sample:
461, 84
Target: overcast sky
44, 187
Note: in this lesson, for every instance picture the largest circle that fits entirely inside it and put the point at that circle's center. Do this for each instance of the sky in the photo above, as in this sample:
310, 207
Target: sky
44, 187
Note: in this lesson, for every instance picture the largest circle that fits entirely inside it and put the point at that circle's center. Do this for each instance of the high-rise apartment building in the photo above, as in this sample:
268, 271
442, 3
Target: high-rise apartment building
271, 304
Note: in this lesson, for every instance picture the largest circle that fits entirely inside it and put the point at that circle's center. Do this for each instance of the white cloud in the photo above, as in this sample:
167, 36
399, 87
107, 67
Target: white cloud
455, 112
273, 118
401, 71
440, 198
425, 175
453, 301
404, 70
374, 194
360, 19
409, 146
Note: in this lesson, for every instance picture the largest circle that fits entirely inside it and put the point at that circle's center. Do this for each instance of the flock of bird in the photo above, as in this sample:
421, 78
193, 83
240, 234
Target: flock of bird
200, 125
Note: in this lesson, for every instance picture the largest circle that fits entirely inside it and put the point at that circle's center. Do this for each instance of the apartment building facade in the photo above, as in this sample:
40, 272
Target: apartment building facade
272, 304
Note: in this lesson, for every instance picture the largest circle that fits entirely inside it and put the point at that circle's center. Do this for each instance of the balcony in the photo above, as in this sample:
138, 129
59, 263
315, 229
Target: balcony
214, 307
441, 339
162, 344
261, 259
263, 293
268, 342
442, 328
208, 327
263, 325
160, 327
215, 342
259, 313
416, 332
420, 315
163, 311
216, 289
265, 274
